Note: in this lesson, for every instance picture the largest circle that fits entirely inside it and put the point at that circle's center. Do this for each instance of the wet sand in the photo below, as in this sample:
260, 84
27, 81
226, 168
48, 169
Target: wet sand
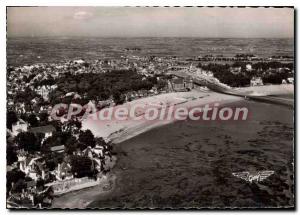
189, 164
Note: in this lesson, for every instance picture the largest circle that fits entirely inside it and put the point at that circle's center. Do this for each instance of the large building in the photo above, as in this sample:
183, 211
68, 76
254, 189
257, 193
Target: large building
180, 84
256, 81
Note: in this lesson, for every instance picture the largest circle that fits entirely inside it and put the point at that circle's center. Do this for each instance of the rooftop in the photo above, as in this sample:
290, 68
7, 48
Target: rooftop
57, 148
42, 129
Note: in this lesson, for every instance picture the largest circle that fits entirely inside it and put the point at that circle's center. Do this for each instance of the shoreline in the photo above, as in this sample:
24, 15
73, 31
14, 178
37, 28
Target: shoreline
82, 198
185, 159
119, 131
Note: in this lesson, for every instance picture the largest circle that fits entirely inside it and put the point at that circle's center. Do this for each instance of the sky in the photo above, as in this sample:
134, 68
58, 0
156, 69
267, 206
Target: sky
150, 22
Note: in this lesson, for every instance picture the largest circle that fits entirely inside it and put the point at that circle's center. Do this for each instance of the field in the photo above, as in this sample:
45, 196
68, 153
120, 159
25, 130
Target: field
27, 50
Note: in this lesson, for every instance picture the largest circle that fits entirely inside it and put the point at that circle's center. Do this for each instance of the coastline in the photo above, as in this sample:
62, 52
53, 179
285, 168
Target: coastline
190, 164
80, 199
119, 131
86, 198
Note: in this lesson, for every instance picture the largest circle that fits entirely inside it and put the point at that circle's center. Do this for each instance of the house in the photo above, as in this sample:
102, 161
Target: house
47, 130
19, 126
33, 167
291, 80
188, 84
30, 184
236, 70
44, 92
76, 96
58, 149
70, 94
63, 171
80, 61
88, 152
180, 84
99, 151
256, 81
248, 67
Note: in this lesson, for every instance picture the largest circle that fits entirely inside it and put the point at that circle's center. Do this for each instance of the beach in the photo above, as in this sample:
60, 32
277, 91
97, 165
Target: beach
119, 131
190, 163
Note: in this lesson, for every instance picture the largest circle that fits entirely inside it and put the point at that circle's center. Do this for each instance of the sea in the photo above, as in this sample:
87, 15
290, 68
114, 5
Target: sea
191, 164
31, 50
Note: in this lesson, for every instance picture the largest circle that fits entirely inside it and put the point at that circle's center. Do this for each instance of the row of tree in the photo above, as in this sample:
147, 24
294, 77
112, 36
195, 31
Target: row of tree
101, 86
269, 71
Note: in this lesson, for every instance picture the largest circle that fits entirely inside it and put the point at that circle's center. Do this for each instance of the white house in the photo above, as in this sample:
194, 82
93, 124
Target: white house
256, 81
44, 92
248, 67
29, 166
20, 126
291, 80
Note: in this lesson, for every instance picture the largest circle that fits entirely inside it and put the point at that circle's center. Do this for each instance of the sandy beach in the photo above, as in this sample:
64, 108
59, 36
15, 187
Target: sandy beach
119, 131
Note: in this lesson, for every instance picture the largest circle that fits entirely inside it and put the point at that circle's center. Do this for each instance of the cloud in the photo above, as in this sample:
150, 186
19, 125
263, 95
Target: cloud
82, 15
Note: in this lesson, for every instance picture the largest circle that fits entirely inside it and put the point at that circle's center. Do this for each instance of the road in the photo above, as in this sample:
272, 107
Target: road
213, 85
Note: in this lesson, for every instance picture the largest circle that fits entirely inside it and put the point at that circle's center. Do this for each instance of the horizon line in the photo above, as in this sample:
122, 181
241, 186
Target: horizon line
200, 37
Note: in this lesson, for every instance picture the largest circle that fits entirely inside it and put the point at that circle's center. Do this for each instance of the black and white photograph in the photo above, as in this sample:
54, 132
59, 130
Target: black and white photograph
145, 107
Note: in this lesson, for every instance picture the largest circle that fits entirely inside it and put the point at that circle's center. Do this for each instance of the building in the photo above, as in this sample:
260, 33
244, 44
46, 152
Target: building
47, 130
256, 81
58, 149
31, 166
63, 171
235, 70
291, 80
248, 67
180, 84
18, 127
188, 84
44, 92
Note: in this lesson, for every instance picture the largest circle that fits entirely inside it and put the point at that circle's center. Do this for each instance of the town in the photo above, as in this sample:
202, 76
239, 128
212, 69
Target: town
47, 157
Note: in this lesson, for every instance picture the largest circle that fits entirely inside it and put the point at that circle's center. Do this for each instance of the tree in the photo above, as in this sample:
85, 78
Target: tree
73, 126
100, 141
40, 184
27, 141
71, 145
58, 138
118, 97
13, 176
33, 121
161, 84
82, 166
11, 118
86, 138
44, 118
11, 155
19, 186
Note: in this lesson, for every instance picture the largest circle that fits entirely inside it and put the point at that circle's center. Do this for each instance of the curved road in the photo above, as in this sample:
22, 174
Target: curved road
218, 87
